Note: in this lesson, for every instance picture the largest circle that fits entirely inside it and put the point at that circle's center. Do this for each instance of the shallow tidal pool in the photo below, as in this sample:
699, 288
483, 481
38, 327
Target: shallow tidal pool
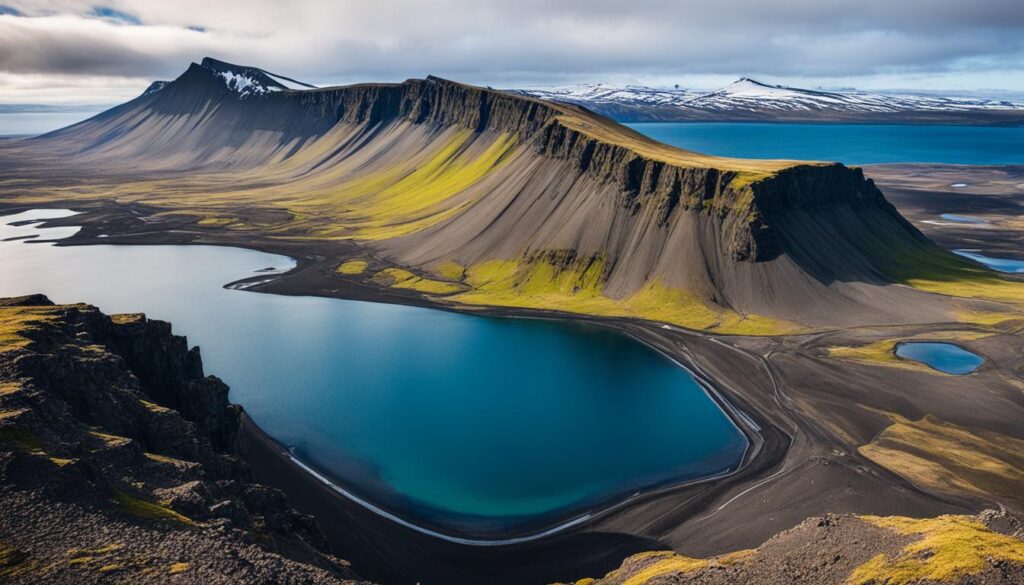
461, 425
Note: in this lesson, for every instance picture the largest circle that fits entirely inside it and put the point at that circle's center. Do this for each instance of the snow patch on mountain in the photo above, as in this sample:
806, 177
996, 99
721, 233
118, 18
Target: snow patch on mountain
155, 87
243, 84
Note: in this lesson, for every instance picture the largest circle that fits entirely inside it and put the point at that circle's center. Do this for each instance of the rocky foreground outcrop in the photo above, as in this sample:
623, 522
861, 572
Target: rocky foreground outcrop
855, 550
118, 462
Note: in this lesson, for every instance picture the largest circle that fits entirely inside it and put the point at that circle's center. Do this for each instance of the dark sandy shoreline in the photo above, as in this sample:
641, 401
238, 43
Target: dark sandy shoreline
809, 410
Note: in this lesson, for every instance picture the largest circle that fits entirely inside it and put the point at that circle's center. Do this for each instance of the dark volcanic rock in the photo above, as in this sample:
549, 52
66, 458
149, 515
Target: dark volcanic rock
118, 461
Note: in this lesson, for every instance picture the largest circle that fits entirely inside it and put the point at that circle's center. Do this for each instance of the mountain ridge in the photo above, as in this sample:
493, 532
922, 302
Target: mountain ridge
516, 200
752, 100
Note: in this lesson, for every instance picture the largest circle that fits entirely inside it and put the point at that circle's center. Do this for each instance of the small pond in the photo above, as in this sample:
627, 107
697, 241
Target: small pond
944, 357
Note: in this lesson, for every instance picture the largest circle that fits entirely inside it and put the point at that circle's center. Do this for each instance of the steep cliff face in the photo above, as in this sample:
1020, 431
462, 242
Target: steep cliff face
433, 174
118, 460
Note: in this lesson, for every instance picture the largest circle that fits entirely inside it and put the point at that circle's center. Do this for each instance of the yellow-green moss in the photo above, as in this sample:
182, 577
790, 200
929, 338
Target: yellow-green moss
111, 568
949, 548
216, 221
85, 556
154, 407
149, 510
947, 274
13, 561
399, 278
17, 324
878, 353
643, 568
950, 458
578, 288
162, 458
451, 270
12, 413
669, 564
177, 568
402, 198
353, 267
110, 440
125, 318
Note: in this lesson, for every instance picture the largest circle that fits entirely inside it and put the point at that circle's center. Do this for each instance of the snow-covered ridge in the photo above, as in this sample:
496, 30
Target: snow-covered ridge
748, 97
602, 93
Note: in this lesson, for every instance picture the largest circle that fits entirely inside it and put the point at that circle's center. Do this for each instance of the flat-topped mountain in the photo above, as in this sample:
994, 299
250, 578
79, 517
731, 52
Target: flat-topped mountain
499, 199
751, 100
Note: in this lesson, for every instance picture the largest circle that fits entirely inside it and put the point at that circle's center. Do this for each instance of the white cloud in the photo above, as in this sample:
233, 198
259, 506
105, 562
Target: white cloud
510, 43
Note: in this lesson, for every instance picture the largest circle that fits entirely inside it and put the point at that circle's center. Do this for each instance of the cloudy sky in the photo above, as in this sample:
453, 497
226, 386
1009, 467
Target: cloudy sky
80, 52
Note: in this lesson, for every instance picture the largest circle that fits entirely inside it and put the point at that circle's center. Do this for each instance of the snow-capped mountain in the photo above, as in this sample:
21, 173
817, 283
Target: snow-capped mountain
244, 80
748, 99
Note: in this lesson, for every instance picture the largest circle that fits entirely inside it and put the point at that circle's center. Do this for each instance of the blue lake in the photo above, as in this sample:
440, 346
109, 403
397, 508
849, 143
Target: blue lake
1009, 265
945, 357
468, 425
856, 144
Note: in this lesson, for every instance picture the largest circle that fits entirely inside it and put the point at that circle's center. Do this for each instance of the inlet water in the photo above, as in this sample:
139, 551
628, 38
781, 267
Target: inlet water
945, 357
962, 218
847, 143
1008, 265
469, 425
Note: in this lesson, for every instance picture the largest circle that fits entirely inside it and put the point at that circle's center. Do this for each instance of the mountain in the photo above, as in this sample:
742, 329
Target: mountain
751, 100
512, 201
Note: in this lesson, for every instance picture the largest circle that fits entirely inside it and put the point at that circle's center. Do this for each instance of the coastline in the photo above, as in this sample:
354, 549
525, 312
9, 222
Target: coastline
740, 421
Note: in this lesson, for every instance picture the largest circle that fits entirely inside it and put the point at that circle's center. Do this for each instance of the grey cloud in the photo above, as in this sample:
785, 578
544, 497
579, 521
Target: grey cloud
516, 40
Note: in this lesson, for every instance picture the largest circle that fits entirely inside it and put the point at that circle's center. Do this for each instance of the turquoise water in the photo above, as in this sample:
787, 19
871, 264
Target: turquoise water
848, 143
1009, 265
470, 425
945, 357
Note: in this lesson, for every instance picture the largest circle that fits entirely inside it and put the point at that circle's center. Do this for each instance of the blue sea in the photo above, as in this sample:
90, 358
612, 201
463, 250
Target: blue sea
853, 144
